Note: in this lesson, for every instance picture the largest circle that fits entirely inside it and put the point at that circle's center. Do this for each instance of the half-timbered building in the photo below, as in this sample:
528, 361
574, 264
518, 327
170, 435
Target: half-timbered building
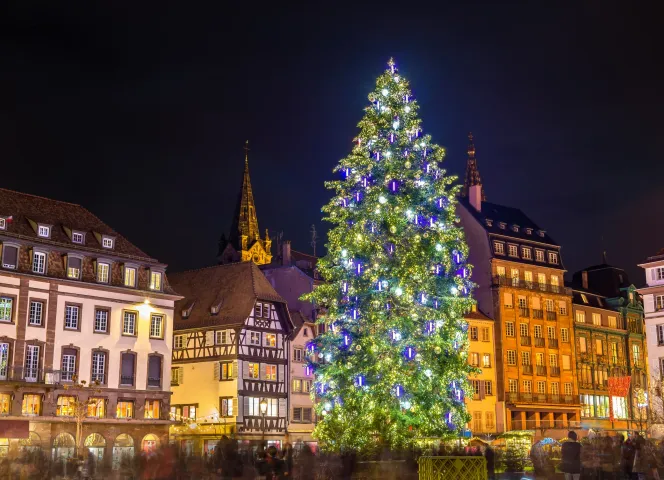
230, 360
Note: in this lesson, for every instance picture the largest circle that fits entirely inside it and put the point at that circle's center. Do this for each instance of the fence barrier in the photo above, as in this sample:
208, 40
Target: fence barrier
456, 468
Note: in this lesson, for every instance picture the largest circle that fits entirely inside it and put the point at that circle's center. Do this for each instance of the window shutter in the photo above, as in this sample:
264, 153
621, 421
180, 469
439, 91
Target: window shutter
234, 375
235, 406
217, 374
209, 338
74, 262
10, 256
282, 375
482, 390
229, 338
262, 377
282, 407
180, 375
245, 369
652, 272
245, 406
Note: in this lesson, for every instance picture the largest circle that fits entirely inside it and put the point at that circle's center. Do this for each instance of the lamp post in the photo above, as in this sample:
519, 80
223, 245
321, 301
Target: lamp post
263, 407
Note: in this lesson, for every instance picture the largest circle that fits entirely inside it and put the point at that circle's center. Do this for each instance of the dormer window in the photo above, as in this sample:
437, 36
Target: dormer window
502, 225
553, 258
539, 255
39, 262
214, 309
499, 248
44, 231
129, 276
584, 298
513, 250
103, 272
489, 222
3, 223
515, 228
77, 237
155, 280
74, 266
541, 233
107, 242
529, 231
526, 253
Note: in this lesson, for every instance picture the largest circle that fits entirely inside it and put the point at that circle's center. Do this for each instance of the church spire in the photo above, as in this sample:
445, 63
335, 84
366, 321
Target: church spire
472, 173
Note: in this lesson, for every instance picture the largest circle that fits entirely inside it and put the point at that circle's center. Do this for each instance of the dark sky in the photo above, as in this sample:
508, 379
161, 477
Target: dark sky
140, 113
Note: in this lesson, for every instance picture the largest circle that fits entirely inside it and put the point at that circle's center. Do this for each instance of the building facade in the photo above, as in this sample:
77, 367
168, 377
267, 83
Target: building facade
487, 420
80, 304
519, 271
230, 358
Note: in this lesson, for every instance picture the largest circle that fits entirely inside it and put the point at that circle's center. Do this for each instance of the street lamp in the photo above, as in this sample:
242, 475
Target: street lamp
263, 407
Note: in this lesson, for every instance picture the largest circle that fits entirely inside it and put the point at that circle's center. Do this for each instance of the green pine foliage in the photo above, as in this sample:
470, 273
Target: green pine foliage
391, 366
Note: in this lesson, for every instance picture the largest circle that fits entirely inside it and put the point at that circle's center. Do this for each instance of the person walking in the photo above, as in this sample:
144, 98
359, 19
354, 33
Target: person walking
571, 458
490, 462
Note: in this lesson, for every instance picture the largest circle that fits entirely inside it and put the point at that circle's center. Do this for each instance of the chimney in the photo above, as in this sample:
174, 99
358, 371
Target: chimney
475, 197
584, 280
285, 253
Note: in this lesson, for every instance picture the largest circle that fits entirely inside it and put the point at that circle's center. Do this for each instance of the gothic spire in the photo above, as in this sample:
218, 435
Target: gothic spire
244, 229
472, 173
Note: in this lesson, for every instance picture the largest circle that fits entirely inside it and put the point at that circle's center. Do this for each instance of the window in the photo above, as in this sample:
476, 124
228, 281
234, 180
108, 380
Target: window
9, 256
36, 313
254, 338
266, 310
4, 360
508, 300
181, 412
5, 403
258, 310
548, 305
564, 335
613, 322
488, 387
513, 251
129, 277
270, 339
658, 273
584, 298
103, 270
474, 333
486, 335
31, 404
525, 358
305, 332
597, 319
475, 359
254, 370
129, 323
178, 342
125, 409
499, 248
101, 320
553, 258
486, 360
156, 326
77, 237
526, 253
127, 368
513, 385
619, 407
154, 371
74, 265
96, 407
71, 317
555, 283
490, 420
44, 231
509, 329
551, 332
220, 337
3, 223
500, 271
228, 407
539, 359
226, 371
475, 384
155, 280
541, 386
306, 386
98, 368
151, 409
107, 242
66, 406
528, 386
39, 262
297, 385
541, 281
511, 357
567, 388
271, 372
31, 370
523, 329
68, 365
562, 307
538, 331
297, 354
515, 277
528, 278
553, 360
583, 348
6, 309
301, 414
636, 354
555, 388
598, 347
659, 302
580, 316
659, 328
539, 255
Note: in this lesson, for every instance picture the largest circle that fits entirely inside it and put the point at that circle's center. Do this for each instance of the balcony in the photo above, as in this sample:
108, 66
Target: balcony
30, 375
538, 314
551, 315
527, 369
525, 341
555, 371
528, 285
618, 361
539, 341
553, 343
524, 312
126, 380
525, 397
602, 359
154, 382
541, 370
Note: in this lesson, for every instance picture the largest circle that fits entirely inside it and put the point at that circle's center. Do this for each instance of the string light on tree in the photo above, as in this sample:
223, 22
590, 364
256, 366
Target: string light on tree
396, 372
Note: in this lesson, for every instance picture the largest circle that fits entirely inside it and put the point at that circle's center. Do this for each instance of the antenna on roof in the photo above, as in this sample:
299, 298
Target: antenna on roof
314, 238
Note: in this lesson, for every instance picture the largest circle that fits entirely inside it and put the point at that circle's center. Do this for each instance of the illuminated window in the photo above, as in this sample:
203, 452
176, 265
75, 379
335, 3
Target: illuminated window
271, 372
526, 253
270, 339
5, 403
66, 406
254, 369
553, 258
475, 359
509, 329
564, 335
31, 404
474, 333
3, 223
228, 407
103, 270
152, 409
486, 335
486, 360
96, 407
297, 385
580, 316
74, 265
513, 385
513, 250
539, 255
597, 319
129, 277
155, 280
613, 322
499, 248
125, 409
584, 298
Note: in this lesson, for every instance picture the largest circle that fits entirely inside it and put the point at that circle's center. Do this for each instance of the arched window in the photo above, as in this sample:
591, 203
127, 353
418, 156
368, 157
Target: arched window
150, 443
96, 444
30, 444
123, 450
63, 446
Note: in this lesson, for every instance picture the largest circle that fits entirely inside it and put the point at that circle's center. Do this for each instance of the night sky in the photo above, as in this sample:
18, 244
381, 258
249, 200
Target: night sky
140, 113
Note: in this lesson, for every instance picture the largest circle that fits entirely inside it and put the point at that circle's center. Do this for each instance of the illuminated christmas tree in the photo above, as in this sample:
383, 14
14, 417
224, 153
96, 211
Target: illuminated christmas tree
391, 366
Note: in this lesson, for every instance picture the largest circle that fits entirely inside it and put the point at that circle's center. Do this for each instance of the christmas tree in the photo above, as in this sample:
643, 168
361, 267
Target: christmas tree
391, 366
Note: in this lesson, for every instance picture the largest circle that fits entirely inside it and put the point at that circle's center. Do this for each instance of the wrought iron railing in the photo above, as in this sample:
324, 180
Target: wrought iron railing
524, 312
553, 343
525, 341
540, 370
555, 371
30, 375
458, 468
527, 369
551, 315
539, 341
538, 313
527, 397
529, 285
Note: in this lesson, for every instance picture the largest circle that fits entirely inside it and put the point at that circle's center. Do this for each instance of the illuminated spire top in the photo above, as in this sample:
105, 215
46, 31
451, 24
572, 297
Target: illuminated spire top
472, 173
245, 223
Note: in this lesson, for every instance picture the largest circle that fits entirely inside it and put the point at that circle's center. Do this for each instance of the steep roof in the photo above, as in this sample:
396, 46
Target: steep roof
233, 288
475, 315
25, 208
245, 222
472, 172
509, 216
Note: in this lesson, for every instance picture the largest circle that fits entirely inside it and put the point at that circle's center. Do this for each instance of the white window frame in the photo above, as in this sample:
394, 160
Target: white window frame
526, 253
156, 328
499, 248
564, 335
36, 313
101, 268
157, 286
68, 368
7, 309
78, 237
255, 338
658, 273
512, 385
220, 337
539, 255
178, 342
44, 231
107, 242
553, 258
72, 317
39, 266
509, 329
98, 367
511, 357
659, 302
101, 316
127, 269
126, 322
3, 223
513, 250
